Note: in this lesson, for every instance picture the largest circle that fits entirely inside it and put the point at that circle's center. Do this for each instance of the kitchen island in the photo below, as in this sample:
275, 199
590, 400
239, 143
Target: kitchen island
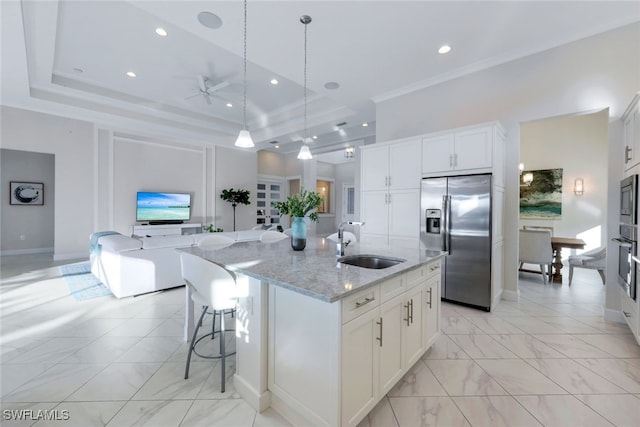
322, 341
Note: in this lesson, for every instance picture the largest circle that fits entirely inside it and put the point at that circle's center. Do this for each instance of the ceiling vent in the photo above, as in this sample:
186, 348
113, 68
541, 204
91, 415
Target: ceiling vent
273, 142
341, 124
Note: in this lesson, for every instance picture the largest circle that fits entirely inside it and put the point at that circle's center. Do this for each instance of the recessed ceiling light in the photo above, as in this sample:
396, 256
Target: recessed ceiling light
229, 104
364, 125
161, 32
210, 20
274, 81
331, 85
131, 74
277, 146
315, 137
445, 48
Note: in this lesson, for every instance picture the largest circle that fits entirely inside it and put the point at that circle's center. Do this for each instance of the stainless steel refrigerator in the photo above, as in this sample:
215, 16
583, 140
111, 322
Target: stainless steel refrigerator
456, 217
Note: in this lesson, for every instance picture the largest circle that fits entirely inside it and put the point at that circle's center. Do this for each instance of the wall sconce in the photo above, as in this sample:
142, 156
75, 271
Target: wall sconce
578, 187
348, 152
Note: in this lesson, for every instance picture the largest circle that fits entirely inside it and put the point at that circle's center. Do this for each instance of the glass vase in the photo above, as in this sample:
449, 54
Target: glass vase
298, 234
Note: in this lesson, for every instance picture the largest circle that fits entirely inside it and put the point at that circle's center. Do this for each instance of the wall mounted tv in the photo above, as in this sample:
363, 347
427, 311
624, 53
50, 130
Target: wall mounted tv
163, 208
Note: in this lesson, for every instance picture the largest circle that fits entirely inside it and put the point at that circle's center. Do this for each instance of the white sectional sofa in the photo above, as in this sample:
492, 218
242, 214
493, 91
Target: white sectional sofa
133, 266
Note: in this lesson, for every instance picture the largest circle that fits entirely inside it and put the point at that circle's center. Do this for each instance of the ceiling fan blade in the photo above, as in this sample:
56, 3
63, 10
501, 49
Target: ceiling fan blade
202, 82
206, 97
219, 86
193, 96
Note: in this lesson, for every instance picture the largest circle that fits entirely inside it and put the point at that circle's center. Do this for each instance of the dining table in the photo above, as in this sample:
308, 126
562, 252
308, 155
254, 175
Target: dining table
557, 243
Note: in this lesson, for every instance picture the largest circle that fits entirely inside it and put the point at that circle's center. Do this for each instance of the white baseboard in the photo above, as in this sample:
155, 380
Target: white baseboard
614, 315
509, 295
496, 299
26, 251
258, 401
71, 255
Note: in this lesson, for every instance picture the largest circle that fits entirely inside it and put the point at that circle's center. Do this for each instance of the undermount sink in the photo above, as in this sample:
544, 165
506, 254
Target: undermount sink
370, 261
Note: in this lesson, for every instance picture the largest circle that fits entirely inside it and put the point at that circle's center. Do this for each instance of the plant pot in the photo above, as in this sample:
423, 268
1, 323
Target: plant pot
298, 234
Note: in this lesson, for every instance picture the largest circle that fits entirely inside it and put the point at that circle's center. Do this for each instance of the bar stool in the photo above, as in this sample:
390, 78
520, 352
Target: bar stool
214, 288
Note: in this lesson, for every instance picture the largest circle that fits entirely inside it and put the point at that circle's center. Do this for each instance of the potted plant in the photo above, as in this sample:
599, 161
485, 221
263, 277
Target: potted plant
235, 197
298, 206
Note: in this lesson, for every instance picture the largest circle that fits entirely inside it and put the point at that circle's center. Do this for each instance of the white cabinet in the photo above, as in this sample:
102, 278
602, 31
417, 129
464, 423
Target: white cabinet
391, 166
630, 312
463, 150
631, 121
165, 229
382, 343
390, 196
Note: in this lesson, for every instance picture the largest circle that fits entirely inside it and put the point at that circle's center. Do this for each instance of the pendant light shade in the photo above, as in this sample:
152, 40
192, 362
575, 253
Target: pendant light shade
304, 153
244, 137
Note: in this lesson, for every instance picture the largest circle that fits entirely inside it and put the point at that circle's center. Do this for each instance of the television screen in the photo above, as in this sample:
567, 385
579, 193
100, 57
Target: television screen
163, 207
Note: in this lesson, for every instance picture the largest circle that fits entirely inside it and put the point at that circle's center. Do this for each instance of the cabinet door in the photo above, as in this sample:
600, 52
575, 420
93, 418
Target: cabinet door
360, 362
413, 342
392, 315
374, 211
375, 168
404, 213
437, 154
431, 308
404, 165
473, 148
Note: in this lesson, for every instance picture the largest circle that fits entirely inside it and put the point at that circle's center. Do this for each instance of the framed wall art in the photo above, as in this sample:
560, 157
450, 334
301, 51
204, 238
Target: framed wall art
541, 194
26, 193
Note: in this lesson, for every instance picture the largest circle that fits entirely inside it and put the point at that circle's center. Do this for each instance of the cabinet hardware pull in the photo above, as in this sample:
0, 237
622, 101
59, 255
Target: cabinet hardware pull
627, 151
450, 160
380, 338
408, 318
455, 160
411, 308
389, 181
430, 294
626, 314
389, 198
365, 302
434, 267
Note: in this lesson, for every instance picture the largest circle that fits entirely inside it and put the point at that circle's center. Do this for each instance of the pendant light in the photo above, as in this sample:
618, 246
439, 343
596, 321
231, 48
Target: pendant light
304, 153
244, 137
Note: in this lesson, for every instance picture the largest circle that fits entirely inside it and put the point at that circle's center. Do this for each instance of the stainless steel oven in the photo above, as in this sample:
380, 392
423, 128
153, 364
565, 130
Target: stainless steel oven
628, 200
627, 246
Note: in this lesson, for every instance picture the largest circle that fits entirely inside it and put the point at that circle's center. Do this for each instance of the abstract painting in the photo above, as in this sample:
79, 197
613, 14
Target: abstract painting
26, 193
542, 197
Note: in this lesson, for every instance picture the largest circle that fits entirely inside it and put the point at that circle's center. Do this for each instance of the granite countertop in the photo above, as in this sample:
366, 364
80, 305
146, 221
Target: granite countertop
315, 270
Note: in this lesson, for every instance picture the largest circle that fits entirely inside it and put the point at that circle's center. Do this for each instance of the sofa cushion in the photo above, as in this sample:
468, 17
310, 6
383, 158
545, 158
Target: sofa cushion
119, 243
177, 241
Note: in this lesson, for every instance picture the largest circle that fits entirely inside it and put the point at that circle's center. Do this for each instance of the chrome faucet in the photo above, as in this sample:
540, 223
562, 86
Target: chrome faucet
341, 244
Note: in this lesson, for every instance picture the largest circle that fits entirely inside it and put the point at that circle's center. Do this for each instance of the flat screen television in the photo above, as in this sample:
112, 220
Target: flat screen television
163, 208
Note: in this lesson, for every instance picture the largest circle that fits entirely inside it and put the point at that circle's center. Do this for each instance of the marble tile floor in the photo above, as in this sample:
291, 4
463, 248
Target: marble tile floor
547, 360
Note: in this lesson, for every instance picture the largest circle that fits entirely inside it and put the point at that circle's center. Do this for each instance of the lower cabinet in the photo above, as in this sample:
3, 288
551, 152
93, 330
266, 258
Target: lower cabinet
381, 345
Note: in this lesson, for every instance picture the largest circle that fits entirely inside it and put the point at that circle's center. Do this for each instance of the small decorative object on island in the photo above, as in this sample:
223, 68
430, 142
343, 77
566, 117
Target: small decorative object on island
211, 229
298, 206
235, 197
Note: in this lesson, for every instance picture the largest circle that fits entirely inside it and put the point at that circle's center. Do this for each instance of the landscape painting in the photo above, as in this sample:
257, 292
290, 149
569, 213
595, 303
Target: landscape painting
542, 197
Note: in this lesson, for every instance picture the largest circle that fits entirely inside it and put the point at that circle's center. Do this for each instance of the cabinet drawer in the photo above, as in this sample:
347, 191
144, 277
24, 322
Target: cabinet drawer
433, 269
392, 287
359, 303
416, 276
630, 313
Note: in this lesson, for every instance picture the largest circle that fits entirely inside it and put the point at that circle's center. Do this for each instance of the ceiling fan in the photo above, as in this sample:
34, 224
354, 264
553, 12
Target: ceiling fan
207, 91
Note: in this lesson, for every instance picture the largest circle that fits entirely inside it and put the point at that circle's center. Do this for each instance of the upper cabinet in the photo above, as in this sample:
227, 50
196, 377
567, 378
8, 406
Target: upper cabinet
631, 121
391, 166
460, 151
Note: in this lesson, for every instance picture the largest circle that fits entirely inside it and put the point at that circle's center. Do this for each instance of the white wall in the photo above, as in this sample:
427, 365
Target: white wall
33, 222
71, 141
98, 171
577, 144
593, 73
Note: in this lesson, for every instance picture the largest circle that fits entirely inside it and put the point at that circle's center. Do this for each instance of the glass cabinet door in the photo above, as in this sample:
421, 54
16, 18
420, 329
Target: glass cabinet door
268, 191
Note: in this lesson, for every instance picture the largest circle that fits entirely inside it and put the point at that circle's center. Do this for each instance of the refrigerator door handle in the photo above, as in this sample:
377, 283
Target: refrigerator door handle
445, 222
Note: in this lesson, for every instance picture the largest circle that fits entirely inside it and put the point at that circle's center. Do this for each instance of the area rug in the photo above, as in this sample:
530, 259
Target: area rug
81, 283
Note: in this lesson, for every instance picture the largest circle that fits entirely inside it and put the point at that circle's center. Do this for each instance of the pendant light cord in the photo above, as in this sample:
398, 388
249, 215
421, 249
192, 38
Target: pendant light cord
305, 82
244, 98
